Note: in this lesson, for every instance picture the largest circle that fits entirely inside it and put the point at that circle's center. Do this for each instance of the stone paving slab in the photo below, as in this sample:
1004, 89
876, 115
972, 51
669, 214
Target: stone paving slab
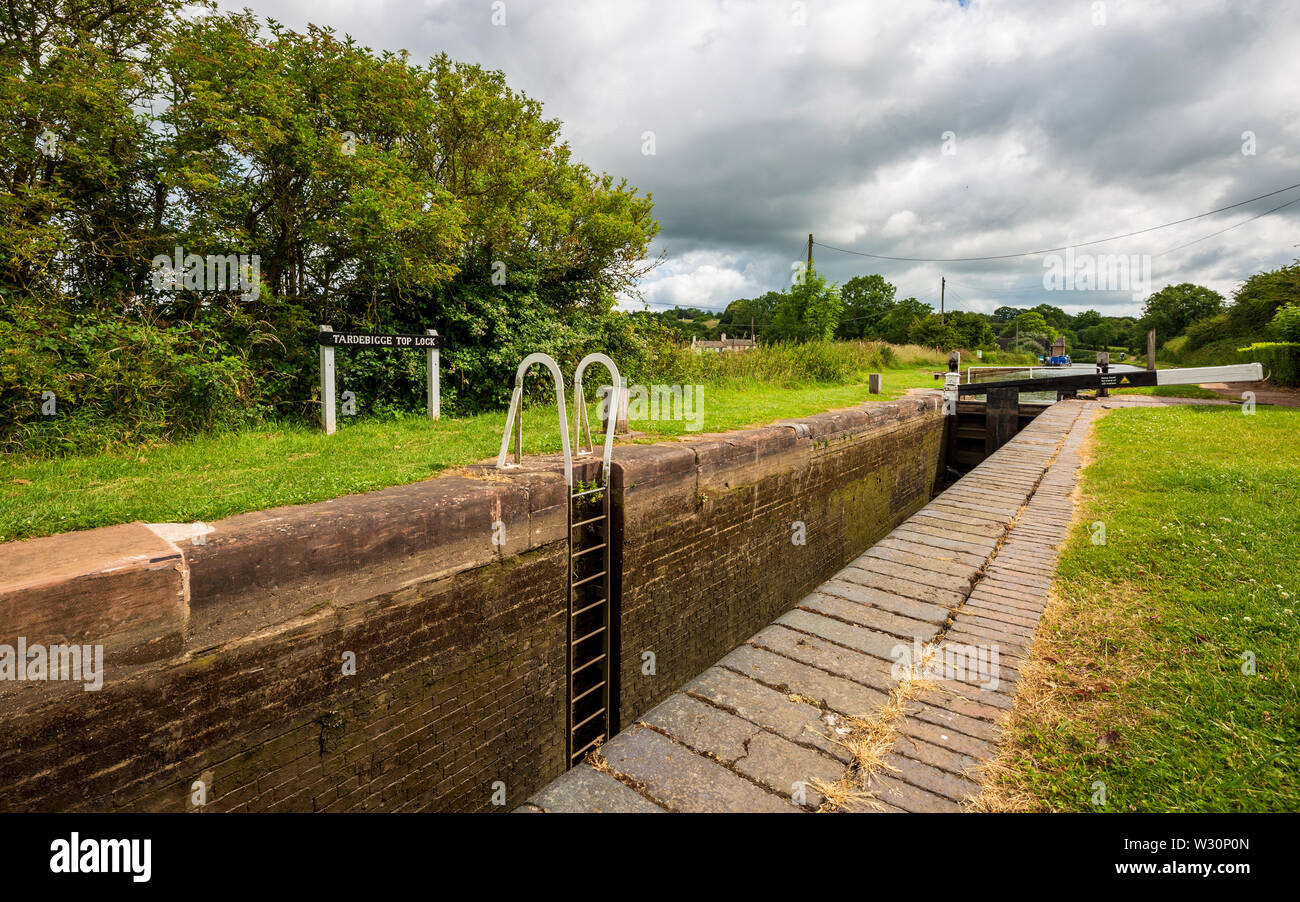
602, 793
969, 573
681, 780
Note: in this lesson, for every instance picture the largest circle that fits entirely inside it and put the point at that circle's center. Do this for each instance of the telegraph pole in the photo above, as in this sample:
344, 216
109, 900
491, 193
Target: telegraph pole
810, 252
943, 285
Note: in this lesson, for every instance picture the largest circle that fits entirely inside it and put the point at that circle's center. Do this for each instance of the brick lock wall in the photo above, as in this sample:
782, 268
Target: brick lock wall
451, 694
707, 555
223, 660
458, 644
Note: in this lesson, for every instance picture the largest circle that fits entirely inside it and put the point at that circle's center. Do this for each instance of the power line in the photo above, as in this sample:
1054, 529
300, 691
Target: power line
1050, 250
1179, 247
1229, 228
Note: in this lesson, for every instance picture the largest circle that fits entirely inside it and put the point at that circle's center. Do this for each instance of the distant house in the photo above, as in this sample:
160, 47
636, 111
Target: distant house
726, 344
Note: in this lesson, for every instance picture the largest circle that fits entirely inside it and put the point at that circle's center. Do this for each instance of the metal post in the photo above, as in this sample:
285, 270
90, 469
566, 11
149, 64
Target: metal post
433, 362
1001, 417
327, 385
951, 381
616, 401
519, 435
1103, 367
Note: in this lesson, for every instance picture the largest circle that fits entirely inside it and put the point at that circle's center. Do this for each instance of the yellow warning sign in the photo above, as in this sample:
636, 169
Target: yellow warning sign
1123, 381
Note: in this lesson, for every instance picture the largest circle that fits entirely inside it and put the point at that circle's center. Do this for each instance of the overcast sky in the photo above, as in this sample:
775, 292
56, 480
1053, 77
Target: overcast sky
1070, 121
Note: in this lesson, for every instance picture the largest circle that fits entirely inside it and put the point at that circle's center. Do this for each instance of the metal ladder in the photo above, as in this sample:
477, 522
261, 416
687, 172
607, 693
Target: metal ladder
588, 658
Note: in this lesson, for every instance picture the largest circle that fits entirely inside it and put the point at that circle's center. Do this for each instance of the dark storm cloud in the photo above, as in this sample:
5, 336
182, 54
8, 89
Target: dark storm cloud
775, 119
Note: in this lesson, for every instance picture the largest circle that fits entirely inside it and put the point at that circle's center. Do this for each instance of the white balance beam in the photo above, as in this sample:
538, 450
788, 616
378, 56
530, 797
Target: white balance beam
1240, 372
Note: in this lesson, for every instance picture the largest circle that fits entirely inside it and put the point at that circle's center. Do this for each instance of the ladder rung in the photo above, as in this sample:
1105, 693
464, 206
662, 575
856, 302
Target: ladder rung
587, 721
588, 492
588, 551
578, 698
579, 752
582, 667
588, 608
585, 522
589, 579
596, 632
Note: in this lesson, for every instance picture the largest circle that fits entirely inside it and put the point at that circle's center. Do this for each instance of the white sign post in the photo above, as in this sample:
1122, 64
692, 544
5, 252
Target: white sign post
327, 385
429, 342
433, 364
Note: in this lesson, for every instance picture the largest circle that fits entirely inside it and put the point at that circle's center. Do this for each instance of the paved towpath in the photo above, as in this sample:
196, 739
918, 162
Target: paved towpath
770, 726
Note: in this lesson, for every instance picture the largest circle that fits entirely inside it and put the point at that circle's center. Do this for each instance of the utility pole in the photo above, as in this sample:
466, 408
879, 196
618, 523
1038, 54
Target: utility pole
809, 253
943, 285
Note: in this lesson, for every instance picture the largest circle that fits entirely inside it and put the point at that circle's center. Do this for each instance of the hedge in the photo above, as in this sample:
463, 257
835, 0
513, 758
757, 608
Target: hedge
1281, 360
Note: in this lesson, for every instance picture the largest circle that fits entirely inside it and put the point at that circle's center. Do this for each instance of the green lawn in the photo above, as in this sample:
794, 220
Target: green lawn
216, 476
1169, 391
1139, 680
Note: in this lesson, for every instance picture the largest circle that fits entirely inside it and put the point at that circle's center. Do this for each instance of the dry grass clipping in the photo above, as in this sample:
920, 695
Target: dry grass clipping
869, 742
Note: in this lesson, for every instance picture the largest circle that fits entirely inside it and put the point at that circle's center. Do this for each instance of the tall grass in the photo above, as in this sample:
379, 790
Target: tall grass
786, 365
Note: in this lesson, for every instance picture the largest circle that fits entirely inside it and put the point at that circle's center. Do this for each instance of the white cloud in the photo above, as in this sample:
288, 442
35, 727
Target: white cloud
705, 279
767, 130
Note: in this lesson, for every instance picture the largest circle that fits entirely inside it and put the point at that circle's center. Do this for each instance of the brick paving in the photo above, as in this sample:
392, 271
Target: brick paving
969, 573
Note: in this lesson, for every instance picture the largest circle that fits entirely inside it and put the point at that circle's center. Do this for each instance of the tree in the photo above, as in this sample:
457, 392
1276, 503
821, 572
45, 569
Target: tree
80, 194
896, 324
1102, 335
1031, 322
808, 310
1204, 331
1086, 320
375, 193
973, 329
1257, 300
1175, 307
1005, 314
933, 331
1054, 316
1285, 325
757, 312
866, 300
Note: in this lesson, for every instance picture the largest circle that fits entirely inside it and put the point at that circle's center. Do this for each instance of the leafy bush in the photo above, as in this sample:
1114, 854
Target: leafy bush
1281, 360
115, 381
1174, 347
1258, 299
1206, 330
377, 195
1285, 324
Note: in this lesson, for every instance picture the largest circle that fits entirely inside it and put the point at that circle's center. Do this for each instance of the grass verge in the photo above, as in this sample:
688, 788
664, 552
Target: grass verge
1169, 391
1165, 670
219, 475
